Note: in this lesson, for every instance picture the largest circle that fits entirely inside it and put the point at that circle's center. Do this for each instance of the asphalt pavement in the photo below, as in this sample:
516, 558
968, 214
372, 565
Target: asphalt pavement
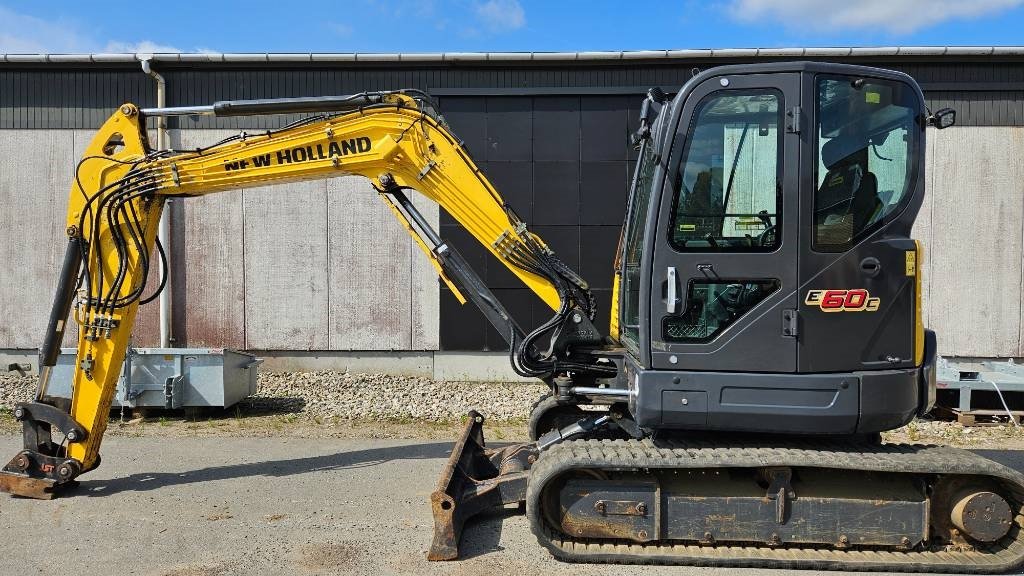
227, 506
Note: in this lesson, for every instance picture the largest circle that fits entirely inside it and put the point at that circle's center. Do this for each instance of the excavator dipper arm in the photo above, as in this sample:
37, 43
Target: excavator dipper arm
393, 138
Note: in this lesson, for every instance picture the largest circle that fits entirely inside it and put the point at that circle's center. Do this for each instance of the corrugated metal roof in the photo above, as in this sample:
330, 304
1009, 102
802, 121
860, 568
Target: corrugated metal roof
838, 52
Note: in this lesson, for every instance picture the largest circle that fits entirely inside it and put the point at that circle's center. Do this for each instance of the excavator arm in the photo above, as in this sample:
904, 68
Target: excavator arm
393, 138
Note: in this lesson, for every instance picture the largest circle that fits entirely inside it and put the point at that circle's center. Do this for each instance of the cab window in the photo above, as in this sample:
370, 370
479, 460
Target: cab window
728, 192
867, 136
633, 249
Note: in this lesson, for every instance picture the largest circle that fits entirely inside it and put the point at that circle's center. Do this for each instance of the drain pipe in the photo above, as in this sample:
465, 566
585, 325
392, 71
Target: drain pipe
164, 232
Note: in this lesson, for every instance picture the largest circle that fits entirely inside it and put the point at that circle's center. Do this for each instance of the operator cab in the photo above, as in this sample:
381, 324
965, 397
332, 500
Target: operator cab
768, 281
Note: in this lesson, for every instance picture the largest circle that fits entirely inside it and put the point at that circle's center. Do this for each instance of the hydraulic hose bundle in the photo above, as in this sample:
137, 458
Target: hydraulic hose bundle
114, 208
574, 296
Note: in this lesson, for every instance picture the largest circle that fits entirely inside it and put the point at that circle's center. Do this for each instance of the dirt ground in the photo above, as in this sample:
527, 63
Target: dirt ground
268, 490
219, 506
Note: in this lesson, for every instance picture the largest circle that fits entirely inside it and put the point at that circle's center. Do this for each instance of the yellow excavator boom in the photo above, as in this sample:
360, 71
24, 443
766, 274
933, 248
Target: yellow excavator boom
393, 138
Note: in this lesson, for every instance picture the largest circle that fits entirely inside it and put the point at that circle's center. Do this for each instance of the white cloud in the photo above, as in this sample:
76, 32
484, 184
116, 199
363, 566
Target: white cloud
340, 29
24, 34
891, 16
501, 15
20, 33
143, 47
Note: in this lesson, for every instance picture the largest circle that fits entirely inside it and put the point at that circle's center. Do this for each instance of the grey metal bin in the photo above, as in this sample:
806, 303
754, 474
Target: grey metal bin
172, 377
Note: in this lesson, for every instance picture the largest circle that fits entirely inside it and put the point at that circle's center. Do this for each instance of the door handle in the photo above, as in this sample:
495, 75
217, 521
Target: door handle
870, 266
671, 298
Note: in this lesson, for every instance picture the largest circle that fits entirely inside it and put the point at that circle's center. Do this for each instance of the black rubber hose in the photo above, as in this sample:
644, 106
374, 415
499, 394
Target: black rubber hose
163, 276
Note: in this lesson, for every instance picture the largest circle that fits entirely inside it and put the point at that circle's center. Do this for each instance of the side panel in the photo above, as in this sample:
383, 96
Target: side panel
838, 403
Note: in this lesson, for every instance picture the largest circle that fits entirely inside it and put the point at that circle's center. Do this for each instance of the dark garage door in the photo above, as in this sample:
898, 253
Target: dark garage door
563, 163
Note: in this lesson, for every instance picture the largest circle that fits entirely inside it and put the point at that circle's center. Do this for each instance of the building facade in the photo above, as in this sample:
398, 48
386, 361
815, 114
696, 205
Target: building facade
318, 274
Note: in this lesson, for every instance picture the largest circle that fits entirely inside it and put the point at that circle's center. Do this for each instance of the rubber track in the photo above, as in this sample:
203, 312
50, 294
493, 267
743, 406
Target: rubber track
1001, 556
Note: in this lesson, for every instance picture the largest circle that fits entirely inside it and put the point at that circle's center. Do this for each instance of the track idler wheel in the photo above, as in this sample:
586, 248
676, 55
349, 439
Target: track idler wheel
981, 515
969, 509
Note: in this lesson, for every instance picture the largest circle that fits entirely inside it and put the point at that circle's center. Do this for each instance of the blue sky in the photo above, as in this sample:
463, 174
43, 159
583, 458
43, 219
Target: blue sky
499, 25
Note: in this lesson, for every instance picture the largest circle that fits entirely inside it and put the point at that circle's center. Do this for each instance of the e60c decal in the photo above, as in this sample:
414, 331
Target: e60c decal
842, 300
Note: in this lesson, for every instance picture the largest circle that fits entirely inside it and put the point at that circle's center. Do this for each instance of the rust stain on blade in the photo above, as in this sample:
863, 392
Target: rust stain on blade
475, 480
18, 485
443, 500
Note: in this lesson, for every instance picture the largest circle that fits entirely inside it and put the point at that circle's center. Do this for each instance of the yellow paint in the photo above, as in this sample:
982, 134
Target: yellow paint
918, 305
911, 264
90, 402
401, 141
613, 324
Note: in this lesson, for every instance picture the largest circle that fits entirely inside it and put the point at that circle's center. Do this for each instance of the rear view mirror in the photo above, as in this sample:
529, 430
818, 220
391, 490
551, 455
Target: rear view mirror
943, 118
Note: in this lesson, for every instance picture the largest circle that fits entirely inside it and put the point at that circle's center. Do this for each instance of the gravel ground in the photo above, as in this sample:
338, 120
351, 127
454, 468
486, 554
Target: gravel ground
345, 396
1005, 436
381, 397
14, 389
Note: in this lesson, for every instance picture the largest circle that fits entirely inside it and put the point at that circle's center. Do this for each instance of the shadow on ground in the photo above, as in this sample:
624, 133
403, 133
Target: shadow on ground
370, 457
260, 406
274, 468
481, 534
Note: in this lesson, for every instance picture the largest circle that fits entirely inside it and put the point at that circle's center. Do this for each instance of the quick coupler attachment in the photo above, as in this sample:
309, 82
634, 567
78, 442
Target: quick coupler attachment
476, 480
42, 467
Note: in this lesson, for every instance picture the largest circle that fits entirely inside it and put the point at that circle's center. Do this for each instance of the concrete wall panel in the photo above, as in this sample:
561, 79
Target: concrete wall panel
146, 331
923, 229
426, 289
383, 291
370, 270
34, 184
213, 294
977, 189
286, 279
36, 174
322, 265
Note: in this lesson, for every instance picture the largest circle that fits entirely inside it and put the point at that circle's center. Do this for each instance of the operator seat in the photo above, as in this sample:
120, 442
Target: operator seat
847, 199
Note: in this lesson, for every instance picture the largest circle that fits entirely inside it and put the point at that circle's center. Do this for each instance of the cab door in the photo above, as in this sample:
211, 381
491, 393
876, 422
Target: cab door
724, 273
859, 292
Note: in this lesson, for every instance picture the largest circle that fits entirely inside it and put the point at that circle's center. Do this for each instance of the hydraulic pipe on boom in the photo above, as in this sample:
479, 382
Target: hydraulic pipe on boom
120, 188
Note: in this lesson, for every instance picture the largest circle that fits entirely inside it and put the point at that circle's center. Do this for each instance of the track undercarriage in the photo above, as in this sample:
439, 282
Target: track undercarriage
851, 505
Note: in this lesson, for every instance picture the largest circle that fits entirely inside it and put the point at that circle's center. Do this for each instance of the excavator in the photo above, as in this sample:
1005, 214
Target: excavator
766, 324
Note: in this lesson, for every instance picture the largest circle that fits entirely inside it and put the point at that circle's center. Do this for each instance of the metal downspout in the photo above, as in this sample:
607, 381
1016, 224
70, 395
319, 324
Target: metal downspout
164, 232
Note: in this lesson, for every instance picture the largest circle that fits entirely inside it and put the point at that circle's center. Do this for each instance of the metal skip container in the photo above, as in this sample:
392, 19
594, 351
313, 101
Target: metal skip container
172, 377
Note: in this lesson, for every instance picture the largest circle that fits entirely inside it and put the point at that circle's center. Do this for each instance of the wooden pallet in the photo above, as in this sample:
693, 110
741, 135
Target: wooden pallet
979, 417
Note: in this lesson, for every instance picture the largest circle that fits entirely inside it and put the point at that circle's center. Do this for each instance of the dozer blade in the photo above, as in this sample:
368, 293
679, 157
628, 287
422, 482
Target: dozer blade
27, 487
473, 481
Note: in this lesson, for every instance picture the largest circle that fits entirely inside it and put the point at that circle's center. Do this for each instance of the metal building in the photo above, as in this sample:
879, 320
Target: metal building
319, 275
